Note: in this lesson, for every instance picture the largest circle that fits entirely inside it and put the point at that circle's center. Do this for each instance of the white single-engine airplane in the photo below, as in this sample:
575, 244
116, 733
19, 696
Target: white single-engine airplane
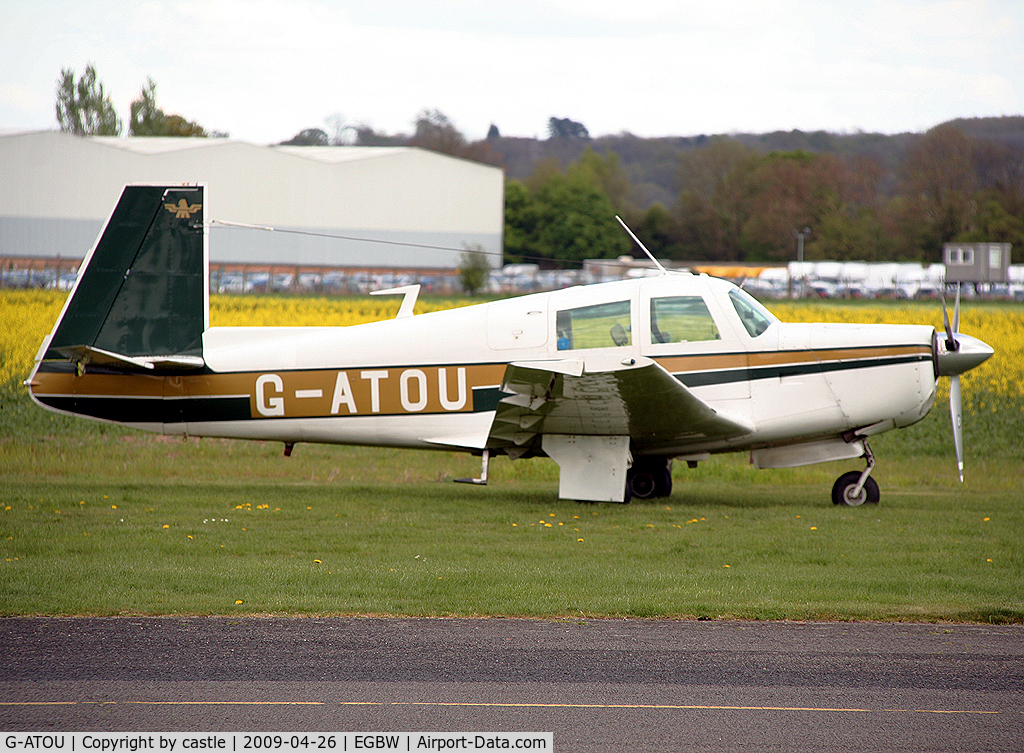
612, 381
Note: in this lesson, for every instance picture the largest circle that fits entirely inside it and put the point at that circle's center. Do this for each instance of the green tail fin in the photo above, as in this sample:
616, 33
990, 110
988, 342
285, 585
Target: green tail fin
142, 292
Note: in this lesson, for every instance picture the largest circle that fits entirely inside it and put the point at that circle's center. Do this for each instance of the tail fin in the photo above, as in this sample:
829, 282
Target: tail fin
141, 299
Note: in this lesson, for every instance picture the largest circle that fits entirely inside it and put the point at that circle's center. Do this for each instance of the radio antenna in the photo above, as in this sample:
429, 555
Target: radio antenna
641, 245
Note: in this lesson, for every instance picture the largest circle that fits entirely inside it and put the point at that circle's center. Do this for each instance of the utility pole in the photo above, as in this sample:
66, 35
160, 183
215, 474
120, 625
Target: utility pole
800, 234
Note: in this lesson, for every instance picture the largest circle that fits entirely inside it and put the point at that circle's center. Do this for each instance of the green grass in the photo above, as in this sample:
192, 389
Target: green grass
100, 521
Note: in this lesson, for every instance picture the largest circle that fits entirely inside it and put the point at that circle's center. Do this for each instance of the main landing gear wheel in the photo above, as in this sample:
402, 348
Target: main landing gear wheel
843, 490
649, 479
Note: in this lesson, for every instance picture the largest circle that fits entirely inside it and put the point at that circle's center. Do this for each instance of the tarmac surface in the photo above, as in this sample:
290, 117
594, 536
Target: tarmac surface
598, 685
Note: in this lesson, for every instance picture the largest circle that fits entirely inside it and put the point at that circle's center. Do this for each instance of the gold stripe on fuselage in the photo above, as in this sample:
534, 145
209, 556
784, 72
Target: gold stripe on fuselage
700, 362
395, 390
296, 394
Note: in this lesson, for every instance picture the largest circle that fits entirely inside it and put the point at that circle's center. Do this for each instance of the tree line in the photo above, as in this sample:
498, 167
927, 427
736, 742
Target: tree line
723, 199
731, 198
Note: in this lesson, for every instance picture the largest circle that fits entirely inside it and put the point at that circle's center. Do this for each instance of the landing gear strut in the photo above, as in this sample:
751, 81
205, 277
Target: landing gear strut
855, 488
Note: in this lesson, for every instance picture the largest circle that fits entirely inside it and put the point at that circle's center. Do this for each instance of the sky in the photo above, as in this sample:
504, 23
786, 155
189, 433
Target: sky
264, 70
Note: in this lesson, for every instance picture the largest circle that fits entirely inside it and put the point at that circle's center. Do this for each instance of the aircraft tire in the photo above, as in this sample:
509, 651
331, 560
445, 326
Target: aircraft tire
650, 480
643, 484
844, 485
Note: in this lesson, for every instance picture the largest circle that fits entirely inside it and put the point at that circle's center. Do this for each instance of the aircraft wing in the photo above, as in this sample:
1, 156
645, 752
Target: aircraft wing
604, 397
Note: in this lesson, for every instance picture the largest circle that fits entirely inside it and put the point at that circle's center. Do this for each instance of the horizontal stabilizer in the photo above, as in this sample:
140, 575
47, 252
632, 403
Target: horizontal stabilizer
86, 354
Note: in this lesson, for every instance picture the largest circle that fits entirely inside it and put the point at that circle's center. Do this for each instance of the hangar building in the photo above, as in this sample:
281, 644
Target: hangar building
365, 207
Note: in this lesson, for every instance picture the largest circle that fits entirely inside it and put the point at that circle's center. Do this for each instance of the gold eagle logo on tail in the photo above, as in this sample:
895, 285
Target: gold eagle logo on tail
183, 210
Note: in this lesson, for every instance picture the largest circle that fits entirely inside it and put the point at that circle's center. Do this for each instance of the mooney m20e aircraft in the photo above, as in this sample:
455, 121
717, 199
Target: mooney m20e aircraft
612, 381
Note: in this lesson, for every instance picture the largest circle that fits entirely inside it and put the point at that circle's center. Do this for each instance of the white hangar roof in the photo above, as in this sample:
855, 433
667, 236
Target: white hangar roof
332, 206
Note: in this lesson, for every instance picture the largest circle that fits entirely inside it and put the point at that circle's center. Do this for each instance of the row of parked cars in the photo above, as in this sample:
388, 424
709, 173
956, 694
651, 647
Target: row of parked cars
517, 279
36, 278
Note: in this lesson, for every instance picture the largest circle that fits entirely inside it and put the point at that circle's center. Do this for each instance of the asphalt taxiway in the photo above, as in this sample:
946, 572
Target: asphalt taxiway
598, 685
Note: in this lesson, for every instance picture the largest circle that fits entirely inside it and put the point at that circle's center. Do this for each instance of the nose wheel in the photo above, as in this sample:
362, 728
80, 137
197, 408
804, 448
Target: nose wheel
845, 491
857, 488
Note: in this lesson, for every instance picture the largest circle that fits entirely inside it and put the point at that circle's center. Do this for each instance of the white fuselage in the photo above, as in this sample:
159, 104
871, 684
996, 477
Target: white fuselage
422, 381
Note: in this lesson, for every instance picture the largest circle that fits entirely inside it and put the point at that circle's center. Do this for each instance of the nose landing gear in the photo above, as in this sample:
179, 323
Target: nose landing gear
857, 488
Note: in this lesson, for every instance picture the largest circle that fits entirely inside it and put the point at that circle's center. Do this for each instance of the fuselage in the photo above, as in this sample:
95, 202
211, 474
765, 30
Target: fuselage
433, 381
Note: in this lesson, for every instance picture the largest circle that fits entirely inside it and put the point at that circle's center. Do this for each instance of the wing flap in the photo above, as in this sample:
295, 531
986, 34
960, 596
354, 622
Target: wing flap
602, 397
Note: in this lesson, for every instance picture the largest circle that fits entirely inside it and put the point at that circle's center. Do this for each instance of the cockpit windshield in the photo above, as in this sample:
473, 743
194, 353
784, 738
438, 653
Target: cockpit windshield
755, 317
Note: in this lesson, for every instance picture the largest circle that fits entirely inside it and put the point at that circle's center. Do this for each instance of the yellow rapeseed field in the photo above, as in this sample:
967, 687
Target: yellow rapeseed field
27, 315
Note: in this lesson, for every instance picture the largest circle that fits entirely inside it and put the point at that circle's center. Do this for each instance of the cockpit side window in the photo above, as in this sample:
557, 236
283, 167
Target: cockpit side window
681, 319
754, 317
605, 325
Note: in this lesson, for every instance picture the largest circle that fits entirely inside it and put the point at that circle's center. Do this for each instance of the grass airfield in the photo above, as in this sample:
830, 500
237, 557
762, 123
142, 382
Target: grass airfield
132, 524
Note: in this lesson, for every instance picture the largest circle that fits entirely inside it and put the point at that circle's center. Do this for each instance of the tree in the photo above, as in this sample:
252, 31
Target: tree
564, 128
940, 172
179, 126
520, 222
660, 232
83, 107
367, 136
993, 224
149, 120
436, 132
714, 202
146, 118
308, 137
607, 174
493, 132
565, 217
473, 269
788, 190
576, 221
343, 133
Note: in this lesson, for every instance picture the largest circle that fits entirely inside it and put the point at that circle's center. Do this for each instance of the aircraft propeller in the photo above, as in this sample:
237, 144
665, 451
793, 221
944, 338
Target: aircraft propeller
955, 355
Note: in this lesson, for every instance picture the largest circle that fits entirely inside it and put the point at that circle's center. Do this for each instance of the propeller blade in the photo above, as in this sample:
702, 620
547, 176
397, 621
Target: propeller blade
951, 342
956, 312
957, 414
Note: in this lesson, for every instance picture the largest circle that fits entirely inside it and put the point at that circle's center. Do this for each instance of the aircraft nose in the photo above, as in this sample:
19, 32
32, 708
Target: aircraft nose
967, 353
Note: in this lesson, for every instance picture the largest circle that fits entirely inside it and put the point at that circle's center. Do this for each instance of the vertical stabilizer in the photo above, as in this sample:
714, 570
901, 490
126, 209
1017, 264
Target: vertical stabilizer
141, 297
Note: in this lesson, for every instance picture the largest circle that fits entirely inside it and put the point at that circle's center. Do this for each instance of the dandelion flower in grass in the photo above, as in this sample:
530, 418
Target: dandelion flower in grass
238, 601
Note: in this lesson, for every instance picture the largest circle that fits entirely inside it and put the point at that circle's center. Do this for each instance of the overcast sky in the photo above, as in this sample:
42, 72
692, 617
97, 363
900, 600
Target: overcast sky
263, 70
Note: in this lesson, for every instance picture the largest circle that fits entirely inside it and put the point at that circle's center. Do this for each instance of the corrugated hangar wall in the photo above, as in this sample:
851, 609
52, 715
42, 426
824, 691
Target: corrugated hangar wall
396, 207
